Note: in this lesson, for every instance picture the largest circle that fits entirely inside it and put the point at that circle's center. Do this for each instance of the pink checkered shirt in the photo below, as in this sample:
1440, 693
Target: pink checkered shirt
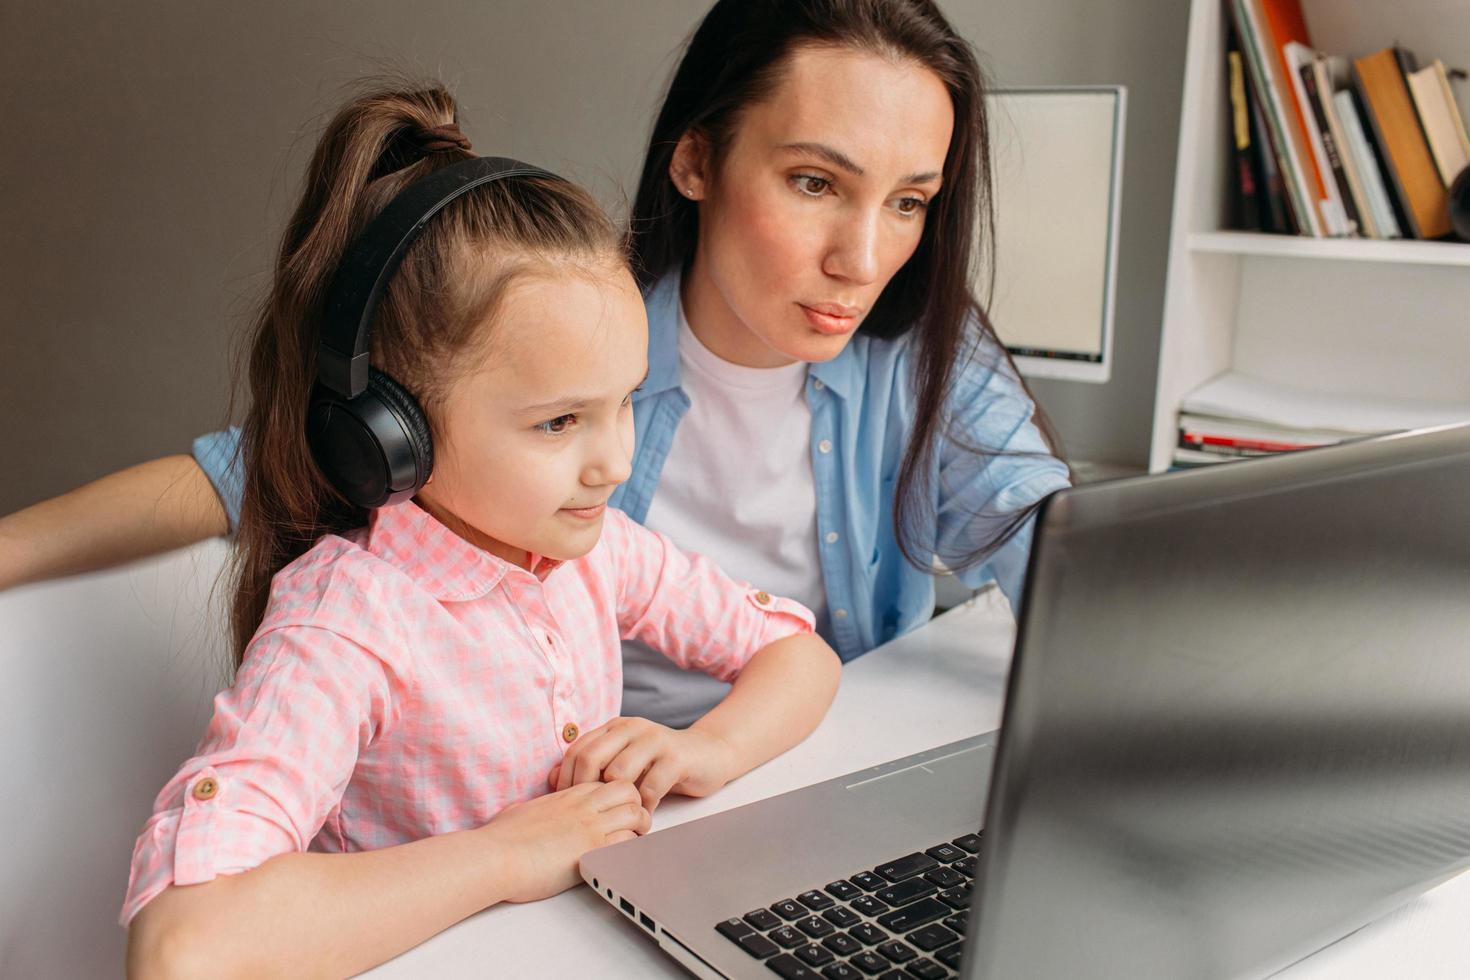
404, 683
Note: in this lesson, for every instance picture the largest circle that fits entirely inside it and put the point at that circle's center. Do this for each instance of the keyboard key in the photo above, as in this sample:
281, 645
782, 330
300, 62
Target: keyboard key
870, 963
957, 898
868, 881
757, 945
841, 917
945, 853
733, 929
868, 934
762, 919
843, 890
921, 913
966, 867
895, 975
931, 937
944, 877
906, 891
897, 952
791, 968
958, 921
787, 937
868, 905
969, 842
841, 971
814, 955
950, 955
790, 910
815, 927
906, 867
926, 970
842, 944
815, 900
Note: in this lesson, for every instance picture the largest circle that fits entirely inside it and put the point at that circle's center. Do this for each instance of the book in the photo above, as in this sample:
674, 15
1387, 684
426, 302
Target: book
1412, 176
1278, 23
1338, 207
1276, 210
1247, 176
1439, 117
1363, 157
1274, 101
1326, 71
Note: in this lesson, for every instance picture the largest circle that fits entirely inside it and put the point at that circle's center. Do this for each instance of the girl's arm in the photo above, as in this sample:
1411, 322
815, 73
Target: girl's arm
139, 511
334, 915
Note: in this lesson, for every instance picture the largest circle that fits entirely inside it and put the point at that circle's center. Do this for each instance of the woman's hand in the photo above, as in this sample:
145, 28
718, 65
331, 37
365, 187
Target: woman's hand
540, 841
658, 759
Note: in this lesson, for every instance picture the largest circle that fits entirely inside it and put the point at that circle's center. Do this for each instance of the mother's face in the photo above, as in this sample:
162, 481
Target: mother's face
818, 201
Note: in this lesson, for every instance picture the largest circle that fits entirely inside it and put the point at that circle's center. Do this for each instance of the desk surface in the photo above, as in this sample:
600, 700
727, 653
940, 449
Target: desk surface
943, 682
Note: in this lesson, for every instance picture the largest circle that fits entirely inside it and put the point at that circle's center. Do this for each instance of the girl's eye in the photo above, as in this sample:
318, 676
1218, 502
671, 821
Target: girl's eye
811, 185
558, 425
910, 206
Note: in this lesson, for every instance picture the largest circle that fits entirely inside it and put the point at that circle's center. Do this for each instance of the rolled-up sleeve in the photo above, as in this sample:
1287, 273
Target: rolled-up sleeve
994, 467
685, 607
278, 753
218, 455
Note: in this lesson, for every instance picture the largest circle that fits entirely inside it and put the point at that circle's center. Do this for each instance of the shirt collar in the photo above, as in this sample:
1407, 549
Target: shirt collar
439, 561
842, 374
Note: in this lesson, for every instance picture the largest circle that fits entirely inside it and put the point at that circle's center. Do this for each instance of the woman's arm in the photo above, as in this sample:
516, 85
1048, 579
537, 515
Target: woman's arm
334, 915
139, 511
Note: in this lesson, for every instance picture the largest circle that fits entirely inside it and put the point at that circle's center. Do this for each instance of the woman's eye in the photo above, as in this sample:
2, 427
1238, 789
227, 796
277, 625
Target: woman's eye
912, 206
810, 185
558, 425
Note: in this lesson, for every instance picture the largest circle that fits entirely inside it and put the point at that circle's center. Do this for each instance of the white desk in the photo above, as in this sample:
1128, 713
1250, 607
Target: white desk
941, 683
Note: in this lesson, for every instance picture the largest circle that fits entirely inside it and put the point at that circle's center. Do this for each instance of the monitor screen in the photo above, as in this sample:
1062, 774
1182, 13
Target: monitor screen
1057, 156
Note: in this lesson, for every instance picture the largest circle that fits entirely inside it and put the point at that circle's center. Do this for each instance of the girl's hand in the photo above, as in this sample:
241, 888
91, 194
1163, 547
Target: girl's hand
658, 759
539, 841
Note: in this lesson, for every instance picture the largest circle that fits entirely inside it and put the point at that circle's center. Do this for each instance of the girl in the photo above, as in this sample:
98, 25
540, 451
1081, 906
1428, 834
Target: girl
412, 678
828, 409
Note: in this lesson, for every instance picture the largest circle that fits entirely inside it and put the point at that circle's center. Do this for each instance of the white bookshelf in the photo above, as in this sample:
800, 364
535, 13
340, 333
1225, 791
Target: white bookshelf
1342, 316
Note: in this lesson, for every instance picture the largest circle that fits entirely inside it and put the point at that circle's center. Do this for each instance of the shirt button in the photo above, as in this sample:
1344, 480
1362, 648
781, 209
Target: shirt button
825, 446
840, 613
764, 598
819, 384
570, 733
205, 789
832, 537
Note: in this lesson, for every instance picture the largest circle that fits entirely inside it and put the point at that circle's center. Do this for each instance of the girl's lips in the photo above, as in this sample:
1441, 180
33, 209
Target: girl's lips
585, 513
827, 321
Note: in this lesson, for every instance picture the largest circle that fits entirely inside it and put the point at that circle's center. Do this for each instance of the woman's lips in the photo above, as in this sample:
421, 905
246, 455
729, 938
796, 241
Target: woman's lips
831, 319
585, 513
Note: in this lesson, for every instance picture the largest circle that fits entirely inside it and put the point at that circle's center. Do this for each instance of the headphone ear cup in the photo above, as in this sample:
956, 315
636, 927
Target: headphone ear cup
375, 449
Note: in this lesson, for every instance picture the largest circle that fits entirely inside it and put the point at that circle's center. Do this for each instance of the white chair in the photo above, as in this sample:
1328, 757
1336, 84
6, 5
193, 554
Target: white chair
108, 682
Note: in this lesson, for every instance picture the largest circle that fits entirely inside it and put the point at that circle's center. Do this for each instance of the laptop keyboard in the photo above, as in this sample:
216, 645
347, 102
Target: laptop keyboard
902, 920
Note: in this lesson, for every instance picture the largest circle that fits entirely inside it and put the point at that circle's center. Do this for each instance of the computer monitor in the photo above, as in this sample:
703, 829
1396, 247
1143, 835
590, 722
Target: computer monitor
1057, 158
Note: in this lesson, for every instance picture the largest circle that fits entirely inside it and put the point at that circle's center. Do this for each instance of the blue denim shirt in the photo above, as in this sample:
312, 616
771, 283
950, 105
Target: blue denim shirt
862, 405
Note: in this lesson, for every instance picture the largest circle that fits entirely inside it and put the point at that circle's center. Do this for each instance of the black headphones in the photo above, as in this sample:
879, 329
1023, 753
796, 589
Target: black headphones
367, 433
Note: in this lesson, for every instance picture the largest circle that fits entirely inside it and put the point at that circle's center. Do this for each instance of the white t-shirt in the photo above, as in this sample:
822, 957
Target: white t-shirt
737, 486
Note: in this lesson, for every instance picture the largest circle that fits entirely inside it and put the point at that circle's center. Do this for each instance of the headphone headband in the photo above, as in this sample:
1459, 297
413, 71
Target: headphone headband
371, 261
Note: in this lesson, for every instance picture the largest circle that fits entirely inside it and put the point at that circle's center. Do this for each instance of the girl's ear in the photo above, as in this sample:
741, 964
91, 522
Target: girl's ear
688, 168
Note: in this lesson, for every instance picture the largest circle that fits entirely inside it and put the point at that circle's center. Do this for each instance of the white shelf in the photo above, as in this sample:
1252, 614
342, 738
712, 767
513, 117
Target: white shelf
1343, 318
1341, 249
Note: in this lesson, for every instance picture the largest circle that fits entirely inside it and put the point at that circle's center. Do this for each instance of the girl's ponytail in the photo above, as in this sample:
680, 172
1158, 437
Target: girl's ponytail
436, 305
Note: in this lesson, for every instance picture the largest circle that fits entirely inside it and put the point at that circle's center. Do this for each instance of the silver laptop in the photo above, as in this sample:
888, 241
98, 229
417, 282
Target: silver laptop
1235, 730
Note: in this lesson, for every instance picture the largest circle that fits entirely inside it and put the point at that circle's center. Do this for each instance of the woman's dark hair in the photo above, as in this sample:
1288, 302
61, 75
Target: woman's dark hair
436, 307
735, 58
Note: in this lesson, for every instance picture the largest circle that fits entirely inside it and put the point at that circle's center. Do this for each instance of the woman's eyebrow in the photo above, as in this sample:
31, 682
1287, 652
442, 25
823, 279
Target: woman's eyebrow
842, 161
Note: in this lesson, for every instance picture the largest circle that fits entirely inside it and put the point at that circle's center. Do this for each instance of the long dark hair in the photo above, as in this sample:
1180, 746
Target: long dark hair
735, 58
436, 307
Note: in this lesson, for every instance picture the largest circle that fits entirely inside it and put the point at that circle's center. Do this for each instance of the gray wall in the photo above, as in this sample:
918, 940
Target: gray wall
152, 150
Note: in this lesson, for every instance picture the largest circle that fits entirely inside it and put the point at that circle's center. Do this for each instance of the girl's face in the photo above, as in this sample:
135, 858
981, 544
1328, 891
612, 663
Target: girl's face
819, 200
531, 443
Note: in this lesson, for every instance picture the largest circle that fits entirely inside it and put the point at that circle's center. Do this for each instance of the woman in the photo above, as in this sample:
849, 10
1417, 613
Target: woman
828, 410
